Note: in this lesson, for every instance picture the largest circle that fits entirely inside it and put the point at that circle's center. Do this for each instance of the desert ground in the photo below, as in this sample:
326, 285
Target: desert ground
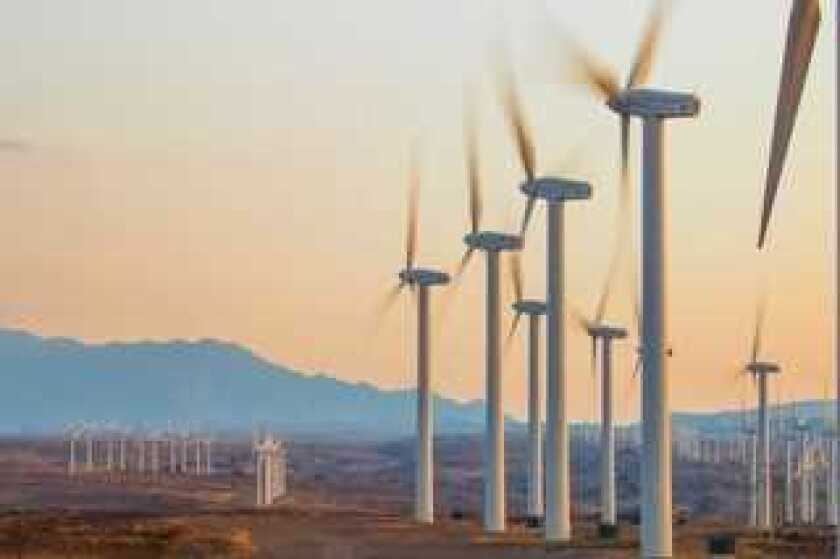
347, 500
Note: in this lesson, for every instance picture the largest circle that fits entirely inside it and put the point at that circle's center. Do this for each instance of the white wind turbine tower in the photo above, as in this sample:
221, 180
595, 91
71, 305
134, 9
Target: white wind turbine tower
760, 370
789, 449
555, 192
88, 431
533, 310
598, 330
72, 431
419, 281
653, 107
492, 244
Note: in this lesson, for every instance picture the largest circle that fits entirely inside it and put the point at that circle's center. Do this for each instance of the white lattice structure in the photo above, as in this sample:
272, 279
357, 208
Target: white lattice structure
271, 470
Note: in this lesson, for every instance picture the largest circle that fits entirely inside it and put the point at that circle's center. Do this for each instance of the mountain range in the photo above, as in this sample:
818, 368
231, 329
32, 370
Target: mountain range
47, 384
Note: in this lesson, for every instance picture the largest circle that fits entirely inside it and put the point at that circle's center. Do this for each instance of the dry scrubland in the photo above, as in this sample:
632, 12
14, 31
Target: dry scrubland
349, 501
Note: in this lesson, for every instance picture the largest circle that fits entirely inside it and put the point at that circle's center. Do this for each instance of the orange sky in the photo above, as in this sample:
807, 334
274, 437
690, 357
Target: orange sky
239, 171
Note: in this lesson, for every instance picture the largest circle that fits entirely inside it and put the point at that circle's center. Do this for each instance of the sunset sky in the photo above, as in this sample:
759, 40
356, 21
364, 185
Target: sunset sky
238, 170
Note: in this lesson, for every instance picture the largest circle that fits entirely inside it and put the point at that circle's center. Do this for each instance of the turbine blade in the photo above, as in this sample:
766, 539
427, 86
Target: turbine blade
529, 212
385, 306
642, 64
516, 121
606, 291
595, 75
513, 326
579, 319
462, 265
759, 330
473, 173
516, 275
390, 298
413, 195
624, 186
802, 33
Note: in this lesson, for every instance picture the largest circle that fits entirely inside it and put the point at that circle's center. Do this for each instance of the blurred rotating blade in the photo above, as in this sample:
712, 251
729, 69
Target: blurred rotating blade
413, 195
513, 326
759, 331
516, 121
595, 75
529, 212
462, 265
648, 46
473, 172
579, 319
516, 275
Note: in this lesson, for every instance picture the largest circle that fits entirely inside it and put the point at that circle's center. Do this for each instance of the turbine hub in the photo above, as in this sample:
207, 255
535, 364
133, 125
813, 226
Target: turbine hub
763, 367
493, 241
556, 190
657, 103
607, 331
530, 307
424, 277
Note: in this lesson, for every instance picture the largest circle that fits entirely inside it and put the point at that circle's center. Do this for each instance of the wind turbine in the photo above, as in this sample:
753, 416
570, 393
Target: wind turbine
420, 280
760, 370
803, 27
492, 243
599, 330
555, 192
653, 107
533, 310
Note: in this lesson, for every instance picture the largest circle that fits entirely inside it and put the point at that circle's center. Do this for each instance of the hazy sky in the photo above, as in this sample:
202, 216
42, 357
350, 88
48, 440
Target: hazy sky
237, 170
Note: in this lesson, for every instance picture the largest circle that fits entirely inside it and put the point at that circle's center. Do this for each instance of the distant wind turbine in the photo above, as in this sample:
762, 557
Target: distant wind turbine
419, 281
492, 244
533, 310
760, 370
555, 192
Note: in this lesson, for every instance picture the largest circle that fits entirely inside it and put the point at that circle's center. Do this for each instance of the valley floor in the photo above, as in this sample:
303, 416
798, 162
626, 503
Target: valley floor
330, 514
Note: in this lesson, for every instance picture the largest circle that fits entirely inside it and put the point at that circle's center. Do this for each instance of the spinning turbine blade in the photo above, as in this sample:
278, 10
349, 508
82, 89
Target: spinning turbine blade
802, 33
513, 326
595, 75
516, 275
516, 282
640, 72
518, 126
521, 133
529, 212
759, 330
388, 300
473, 173
413, 194
624, 186
462, 265
579, 319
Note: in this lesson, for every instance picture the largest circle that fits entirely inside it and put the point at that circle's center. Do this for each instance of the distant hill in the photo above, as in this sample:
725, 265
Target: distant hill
818, 415
207, 384
46, 383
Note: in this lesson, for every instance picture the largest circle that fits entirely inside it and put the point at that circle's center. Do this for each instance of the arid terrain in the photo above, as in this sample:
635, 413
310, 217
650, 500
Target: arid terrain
347, 500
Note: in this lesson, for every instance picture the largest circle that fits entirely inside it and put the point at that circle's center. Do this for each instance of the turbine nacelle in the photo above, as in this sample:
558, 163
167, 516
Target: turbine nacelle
556, 190
655, 103
762, 368
530, 307
423, 277
493, 241
606, 331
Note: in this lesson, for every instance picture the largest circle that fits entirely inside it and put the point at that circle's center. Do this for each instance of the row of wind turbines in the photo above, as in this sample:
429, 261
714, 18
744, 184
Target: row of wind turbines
653, 107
